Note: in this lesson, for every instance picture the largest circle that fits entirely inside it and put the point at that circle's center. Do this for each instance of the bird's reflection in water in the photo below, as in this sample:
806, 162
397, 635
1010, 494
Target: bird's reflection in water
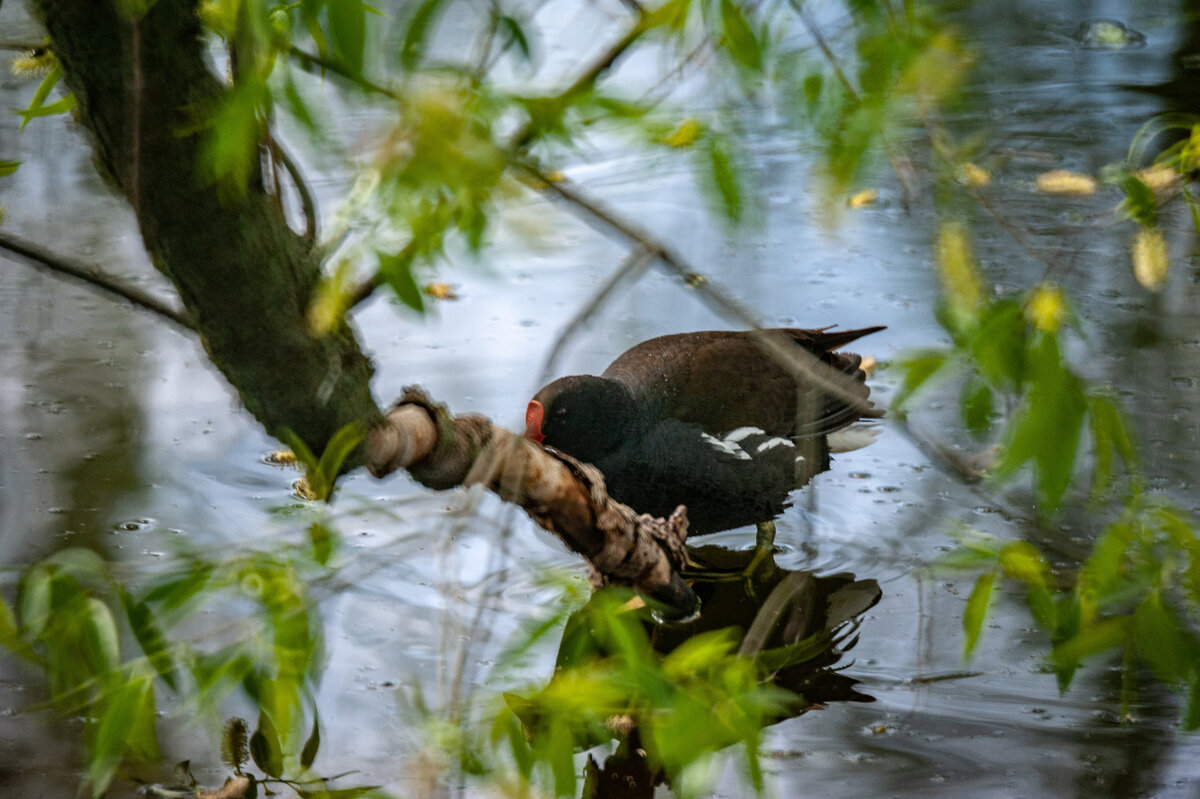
795, 625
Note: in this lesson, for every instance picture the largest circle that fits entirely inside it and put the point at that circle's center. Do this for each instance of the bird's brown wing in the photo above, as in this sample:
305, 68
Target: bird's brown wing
726, 380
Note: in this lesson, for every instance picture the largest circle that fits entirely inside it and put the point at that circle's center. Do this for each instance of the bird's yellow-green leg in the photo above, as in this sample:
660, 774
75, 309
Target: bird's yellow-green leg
764, 545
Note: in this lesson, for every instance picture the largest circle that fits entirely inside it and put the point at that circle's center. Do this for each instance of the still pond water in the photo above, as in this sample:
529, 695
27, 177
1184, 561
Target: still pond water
116, 434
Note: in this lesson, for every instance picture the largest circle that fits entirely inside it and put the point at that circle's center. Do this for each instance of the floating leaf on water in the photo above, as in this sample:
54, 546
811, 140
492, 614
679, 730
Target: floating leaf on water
440, 291
1062, 181
1151, 260
281, 457
685, 134
863, 198
303, 490
1108, 34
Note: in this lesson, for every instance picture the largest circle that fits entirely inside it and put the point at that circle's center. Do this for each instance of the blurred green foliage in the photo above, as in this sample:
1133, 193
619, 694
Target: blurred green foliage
465, 133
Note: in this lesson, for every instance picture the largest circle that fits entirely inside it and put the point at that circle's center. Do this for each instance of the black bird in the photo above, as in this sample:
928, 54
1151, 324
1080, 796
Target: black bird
727, 423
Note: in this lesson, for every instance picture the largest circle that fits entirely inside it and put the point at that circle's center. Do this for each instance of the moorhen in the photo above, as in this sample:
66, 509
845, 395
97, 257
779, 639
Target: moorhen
726, 423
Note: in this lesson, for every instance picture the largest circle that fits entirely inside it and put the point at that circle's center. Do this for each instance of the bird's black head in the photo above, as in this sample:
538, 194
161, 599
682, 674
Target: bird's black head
584, 416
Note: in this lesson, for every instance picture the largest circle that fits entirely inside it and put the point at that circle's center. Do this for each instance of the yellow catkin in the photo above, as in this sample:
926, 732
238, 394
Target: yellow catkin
1061, 181
1046, 308
1151, 261
957, 271
441, 291
863, 198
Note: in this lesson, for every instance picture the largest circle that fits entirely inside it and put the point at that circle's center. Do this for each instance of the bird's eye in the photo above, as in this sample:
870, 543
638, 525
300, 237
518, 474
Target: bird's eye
560, 411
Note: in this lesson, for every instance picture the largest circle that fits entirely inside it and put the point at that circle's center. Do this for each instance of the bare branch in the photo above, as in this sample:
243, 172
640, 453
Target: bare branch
562, 495
32, 253
307, 204
631, 268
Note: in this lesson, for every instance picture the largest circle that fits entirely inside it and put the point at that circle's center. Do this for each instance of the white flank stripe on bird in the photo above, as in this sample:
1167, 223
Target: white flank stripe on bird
734, 436
726, 446
771, 443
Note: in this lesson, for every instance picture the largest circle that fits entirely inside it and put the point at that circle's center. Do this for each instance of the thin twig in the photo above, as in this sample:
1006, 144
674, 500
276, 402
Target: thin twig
631, 268
901, 164
307, 59
586, 79
822, 376
815, 32
306, 199
93, 276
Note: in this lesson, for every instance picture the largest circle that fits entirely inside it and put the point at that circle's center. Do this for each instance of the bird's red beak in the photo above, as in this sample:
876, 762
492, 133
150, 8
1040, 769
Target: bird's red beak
533, 421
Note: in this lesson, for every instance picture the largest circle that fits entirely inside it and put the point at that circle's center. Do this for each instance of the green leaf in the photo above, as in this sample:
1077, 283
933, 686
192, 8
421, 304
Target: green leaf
1110, 437
10, 636
1100, 637
149, 637
725, 178
101, 638
347, 32
8, 167
1046, 429
58, 107
1021, 561
1191, 713
309, 753
998, 347
37, 107
740, 41
413, 47
561, 754
322, 539
34, 599
264, 747
975, 613
671, 14
514, 35
1162, 642
336, 451
234, 132
813, 85
976, 406
396, 270
177, 591
1103, 571
125, 728
918, 369
1139, 200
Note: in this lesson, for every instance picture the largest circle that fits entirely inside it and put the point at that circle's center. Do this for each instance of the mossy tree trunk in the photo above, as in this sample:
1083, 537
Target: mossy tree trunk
245, 277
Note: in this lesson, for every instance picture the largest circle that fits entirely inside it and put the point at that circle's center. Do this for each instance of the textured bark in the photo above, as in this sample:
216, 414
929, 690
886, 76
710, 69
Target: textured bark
561, 494
245, 277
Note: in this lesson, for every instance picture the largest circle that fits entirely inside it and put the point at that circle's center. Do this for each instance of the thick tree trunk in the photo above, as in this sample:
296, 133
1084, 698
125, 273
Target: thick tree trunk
245, 277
